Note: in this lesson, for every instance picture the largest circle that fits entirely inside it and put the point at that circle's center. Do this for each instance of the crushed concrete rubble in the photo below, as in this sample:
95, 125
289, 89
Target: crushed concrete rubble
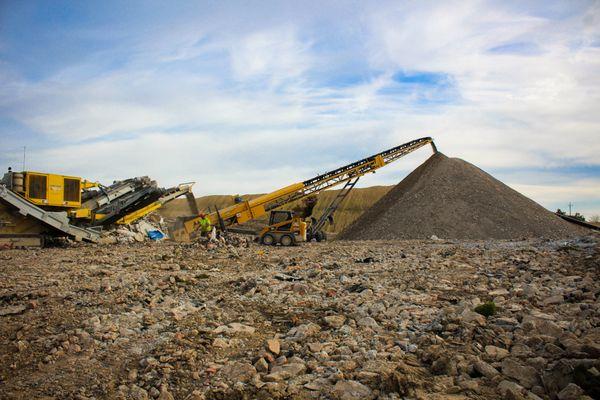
139, 231
213, 321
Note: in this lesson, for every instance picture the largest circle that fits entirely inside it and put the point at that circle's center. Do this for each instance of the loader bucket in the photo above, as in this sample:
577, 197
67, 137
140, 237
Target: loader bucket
177, 230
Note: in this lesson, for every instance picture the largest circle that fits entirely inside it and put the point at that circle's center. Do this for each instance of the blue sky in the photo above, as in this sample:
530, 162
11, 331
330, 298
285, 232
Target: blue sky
248, 96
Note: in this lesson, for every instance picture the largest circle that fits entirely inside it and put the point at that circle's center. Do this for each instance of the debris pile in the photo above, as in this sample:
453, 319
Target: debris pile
339, 320
147, 228
452, 199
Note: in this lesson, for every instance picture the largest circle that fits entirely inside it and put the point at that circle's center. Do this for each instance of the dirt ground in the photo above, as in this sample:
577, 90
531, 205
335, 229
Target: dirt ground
342, 320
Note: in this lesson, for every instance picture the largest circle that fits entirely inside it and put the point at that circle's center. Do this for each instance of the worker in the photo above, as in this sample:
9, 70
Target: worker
205, 226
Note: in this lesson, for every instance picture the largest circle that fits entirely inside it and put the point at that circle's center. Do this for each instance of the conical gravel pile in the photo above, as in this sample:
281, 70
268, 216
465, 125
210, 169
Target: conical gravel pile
452, 199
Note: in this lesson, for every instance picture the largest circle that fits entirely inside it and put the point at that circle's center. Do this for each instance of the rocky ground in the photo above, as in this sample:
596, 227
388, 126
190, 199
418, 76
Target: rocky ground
341, 320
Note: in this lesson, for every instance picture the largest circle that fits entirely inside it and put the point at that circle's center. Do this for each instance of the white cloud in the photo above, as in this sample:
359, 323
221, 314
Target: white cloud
276, 54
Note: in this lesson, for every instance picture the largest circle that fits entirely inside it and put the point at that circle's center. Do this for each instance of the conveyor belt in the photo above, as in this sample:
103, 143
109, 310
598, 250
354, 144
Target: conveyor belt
56, 220
578, 222
257, 207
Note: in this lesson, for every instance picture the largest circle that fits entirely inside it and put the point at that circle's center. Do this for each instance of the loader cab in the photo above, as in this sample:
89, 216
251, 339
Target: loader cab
277, 217
285, 228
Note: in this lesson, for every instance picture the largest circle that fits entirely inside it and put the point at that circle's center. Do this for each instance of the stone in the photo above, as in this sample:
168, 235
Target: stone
351, 390
368, 378
510, 389
273, 346
485, 369
498, 292
591, 349
12, 310
220, 343
261, 365
526, 375
335, 321
234, 328
557, 299
546, 327
304, 331
570, 392
472, 317
154, 392
165, 394
444, 365
318, 385
367, 322
238, 372
285, 371
137, 393
132, 375
469, 384
21, 345
530, 291
221, 329
496, 353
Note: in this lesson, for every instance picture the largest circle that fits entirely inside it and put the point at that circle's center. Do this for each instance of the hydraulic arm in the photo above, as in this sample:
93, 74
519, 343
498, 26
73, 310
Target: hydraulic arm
255, 208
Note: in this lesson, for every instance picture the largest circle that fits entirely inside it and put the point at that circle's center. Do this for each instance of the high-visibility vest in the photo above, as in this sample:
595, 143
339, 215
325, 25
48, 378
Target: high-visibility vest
205, 225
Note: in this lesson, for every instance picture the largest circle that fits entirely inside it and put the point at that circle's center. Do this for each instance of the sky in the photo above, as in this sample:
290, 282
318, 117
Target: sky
248, 96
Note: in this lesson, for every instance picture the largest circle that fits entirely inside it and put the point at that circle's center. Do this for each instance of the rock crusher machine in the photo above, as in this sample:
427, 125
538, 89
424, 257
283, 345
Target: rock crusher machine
37, 206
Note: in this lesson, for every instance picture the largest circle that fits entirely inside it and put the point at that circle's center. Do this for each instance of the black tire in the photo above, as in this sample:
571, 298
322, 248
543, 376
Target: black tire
287, 240
268, 239
319, 236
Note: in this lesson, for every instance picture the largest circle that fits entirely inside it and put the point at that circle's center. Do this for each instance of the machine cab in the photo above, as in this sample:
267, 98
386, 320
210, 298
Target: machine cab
281, 216
284, 228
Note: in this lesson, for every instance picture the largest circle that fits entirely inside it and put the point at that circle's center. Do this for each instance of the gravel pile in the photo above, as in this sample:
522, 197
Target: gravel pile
450, 198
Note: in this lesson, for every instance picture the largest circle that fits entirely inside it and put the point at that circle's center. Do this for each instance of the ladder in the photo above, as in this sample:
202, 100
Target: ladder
316, 228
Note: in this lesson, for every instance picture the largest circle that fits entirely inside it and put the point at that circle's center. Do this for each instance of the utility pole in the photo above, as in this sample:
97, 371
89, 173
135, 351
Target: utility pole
570, 206
24, 150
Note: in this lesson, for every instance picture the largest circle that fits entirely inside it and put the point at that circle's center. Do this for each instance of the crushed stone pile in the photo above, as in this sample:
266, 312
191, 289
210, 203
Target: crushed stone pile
452, 199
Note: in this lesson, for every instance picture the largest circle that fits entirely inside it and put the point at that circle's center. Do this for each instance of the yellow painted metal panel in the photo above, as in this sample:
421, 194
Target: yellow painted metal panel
81, 213
250, 213
53, 191
129, 218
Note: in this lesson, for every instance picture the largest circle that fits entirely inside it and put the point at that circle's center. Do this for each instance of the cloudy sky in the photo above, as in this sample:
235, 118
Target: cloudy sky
249, 96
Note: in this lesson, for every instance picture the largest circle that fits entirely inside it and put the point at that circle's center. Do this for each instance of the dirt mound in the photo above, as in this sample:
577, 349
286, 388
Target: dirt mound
452, 199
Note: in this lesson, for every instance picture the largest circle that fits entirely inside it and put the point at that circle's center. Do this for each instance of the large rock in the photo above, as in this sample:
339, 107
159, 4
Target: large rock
238, 372
510, 390
304, 331
496, 353
352, 390
570, 392
472, 317
285, 371
273, 346
138, 393
526, 375
367, 322
485, 369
